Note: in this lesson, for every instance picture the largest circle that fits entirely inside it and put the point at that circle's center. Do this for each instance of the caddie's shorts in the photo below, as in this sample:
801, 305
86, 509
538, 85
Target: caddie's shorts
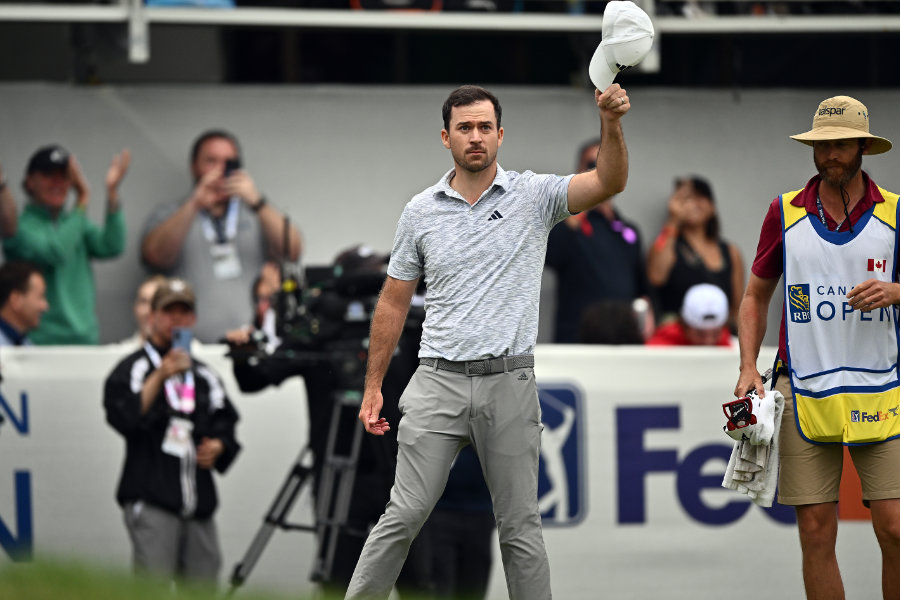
811, 473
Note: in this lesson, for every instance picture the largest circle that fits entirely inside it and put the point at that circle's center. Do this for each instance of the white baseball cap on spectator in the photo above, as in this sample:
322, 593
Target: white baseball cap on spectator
627, 38
705, 306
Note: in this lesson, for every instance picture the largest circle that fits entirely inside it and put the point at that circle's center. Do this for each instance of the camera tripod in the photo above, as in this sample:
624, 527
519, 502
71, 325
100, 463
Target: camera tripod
332, 502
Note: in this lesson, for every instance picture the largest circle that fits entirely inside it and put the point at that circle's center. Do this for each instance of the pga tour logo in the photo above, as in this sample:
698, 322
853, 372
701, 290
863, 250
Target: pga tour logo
854, 416
561, 482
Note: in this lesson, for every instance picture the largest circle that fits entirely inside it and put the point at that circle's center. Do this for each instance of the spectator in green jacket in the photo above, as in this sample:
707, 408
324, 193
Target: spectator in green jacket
62, 242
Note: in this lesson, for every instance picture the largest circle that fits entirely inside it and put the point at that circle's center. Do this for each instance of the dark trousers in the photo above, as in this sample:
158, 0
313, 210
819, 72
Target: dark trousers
460, 545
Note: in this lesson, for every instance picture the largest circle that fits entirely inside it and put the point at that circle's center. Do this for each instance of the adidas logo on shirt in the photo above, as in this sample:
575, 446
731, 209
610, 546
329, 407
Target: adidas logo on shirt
523, 376
495, 215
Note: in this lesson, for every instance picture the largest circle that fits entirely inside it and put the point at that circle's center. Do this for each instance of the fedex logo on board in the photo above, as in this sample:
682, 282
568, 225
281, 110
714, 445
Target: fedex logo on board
636, 462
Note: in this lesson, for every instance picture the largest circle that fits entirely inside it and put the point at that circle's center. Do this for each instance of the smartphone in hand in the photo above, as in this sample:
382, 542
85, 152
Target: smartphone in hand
181, 339
232, 165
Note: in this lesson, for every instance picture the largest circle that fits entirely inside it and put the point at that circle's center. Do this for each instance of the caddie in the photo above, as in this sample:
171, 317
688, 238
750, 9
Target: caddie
835, 243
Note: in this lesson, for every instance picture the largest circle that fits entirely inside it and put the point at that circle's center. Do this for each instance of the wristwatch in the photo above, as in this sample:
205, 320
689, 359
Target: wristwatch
262, 202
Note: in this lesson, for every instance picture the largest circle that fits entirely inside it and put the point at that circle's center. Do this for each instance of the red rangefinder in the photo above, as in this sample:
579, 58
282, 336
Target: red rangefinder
739, 413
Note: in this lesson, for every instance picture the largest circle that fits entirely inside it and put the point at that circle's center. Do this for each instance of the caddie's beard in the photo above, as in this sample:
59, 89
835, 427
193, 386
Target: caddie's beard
847, 173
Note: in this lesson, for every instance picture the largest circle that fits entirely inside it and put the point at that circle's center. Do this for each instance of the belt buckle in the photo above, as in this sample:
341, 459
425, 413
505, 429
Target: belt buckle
474, 363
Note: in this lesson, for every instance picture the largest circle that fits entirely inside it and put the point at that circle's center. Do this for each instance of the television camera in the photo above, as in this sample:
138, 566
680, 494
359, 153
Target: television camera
321, 330
321, 321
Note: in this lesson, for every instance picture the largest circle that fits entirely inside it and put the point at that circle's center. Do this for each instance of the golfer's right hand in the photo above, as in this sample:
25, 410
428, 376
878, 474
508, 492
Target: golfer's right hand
369, 411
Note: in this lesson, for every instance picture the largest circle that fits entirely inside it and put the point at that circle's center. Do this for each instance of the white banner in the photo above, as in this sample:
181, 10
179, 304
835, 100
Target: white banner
632, 459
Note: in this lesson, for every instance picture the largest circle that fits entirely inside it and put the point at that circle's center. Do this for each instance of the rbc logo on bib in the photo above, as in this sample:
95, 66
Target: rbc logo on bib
560, 479
798, 303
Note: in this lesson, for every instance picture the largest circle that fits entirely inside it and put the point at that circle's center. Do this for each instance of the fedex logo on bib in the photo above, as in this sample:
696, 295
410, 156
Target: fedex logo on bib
857, 416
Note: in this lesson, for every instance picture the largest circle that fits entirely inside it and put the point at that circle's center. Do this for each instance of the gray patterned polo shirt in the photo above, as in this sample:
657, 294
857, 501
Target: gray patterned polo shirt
482, 263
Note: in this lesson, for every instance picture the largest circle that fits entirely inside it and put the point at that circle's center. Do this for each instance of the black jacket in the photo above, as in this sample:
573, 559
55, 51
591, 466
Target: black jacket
149, 474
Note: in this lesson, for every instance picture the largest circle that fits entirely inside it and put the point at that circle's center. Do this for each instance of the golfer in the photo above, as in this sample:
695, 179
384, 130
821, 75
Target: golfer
478, 236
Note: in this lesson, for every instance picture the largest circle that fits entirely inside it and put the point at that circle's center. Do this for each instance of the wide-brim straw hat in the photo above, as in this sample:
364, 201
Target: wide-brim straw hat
841, 118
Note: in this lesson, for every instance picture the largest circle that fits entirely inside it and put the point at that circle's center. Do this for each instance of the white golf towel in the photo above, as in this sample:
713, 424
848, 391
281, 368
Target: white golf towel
753, 466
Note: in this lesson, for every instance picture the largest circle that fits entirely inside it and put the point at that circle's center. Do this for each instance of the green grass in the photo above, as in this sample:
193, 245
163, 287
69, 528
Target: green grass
58, 580
46, 579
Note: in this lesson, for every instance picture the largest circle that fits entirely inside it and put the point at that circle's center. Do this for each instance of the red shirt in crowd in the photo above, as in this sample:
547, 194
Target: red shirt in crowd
672, 334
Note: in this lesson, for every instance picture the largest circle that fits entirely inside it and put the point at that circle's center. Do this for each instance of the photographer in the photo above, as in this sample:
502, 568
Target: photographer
178, 426
220, 235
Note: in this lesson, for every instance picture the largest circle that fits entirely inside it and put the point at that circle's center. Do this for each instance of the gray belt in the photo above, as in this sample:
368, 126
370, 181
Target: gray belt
487, 366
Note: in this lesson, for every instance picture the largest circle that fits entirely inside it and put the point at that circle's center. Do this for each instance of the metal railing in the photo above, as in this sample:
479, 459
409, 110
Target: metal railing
140, 18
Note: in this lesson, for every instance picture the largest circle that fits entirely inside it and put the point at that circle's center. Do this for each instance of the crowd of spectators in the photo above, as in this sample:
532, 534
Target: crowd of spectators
687, 8
690, 9
226, 239
608, 291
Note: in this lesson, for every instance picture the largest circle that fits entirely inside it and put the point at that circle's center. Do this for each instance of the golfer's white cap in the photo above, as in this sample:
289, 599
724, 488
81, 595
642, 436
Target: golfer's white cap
705, 306
627, 38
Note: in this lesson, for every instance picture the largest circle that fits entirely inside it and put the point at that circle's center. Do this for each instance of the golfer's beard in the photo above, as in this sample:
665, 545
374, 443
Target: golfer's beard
476, 166
848, 172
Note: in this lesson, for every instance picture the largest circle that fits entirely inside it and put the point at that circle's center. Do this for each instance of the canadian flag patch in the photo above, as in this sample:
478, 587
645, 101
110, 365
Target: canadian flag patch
877, 264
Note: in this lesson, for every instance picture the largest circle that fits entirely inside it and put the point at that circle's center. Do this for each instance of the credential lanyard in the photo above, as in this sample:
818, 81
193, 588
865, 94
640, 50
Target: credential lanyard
180, 393
231, 224
822, 215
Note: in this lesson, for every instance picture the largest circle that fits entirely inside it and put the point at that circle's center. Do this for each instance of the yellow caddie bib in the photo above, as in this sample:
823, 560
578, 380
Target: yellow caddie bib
843, 363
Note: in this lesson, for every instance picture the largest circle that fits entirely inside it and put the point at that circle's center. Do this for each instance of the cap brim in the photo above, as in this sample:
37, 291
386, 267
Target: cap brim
600, 73
879, 145
186, 300
47, 169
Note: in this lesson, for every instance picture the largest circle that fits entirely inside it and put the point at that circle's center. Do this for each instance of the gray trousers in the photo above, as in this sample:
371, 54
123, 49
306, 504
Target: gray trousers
168, 545
442, 411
